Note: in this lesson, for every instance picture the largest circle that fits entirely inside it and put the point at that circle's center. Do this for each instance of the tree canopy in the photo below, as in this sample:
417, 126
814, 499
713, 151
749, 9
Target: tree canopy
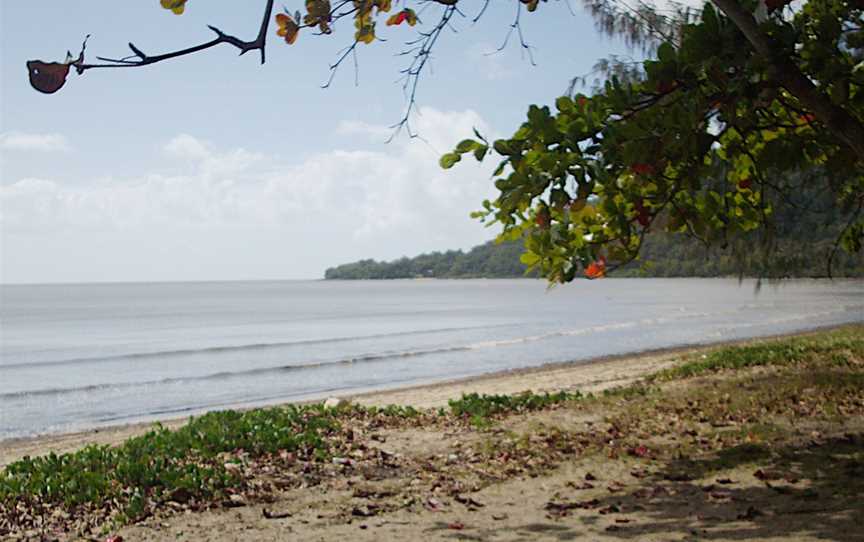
714, 134
737, 106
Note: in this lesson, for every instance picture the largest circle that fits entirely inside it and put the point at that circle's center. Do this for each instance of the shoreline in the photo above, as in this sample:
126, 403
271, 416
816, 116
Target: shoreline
586, 375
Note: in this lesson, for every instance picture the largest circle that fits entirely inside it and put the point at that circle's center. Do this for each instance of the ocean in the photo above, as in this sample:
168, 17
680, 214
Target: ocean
87, 355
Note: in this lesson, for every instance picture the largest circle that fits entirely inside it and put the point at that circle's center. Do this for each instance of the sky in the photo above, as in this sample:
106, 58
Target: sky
214, 167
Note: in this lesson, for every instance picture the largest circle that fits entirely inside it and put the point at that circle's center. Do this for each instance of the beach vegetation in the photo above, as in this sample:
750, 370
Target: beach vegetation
186, 464
831, 348
479, 409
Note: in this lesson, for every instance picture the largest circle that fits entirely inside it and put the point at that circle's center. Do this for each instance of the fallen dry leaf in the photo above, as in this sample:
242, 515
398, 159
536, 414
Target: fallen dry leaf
269, 514
611, 509
469, 501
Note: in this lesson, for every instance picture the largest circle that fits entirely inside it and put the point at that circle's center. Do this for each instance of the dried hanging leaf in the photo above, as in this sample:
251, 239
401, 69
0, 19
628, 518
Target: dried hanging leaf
531, 4
288, 28
365, 30
318, 13
47, 77
383, 5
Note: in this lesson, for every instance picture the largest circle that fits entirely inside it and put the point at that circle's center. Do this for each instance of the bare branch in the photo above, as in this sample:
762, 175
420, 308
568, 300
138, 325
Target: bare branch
221, 37
350, 50
517, 26
421, 48
481, 12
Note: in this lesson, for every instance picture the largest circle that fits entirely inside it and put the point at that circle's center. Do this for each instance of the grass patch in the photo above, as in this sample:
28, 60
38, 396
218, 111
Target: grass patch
840, 347
391, 411
162, 464
479, 409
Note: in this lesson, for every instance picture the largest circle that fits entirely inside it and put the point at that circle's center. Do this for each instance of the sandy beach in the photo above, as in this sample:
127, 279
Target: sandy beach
762, 442
584, 375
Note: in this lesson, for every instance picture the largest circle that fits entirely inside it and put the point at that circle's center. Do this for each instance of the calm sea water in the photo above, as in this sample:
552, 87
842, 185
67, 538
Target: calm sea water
78, 356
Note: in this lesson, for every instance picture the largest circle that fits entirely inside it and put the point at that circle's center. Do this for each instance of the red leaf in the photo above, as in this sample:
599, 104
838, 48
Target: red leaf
640, 451
642, 214
642, 169
543, 218
456, 525
596, 269
406, 14
397, 19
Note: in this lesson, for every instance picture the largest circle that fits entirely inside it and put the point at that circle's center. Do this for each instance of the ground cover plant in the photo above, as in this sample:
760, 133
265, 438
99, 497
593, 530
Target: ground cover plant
753, 435
478, 409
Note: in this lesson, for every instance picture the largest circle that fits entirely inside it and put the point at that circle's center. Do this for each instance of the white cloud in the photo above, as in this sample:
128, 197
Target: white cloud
20, 141
187, 146
209, 163
491, 63
356, 127
390, 201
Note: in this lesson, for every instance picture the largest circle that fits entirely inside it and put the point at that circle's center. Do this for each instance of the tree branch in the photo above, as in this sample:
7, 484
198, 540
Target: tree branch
839, 122
221, 37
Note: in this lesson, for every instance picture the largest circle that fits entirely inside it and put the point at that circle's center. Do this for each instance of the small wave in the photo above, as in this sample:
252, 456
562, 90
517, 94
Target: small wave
580, 331
362, 358
224, 375
234, 348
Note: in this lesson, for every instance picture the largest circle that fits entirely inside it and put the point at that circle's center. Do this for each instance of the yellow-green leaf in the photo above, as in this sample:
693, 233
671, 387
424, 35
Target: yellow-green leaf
177, 6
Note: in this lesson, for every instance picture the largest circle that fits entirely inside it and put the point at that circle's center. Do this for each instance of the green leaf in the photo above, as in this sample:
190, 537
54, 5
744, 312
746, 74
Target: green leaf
564, 104
466, 145
450, 159
529, 258
503, 147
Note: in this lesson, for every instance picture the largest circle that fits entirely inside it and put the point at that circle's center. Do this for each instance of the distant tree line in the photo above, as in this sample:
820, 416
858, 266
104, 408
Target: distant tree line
800, 243
489, 260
